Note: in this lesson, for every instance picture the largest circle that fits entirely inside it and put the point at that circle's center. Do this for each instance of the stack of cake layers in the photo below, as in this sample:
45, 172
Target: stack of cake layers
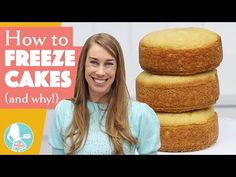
180, 83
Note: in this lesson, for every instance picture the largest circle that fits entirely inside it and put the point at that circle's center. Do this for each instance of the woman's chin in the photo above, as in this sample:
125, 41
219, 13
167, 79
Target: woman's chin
100, 90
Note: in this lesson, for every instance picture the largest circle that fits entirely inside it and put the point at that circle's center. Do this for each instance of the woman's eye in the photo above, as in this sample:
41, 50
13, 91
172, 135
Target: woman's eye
93, 62
109, 63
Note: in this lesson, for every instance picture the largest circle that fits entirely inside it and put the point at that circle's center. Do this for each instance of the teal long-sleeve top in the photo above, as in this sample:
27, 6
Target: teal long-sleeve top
143, 121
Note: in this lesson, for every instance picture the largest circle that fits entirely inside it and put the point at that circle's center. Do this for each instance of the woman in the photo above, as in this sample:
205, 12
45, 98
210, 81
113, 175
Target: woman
101, 118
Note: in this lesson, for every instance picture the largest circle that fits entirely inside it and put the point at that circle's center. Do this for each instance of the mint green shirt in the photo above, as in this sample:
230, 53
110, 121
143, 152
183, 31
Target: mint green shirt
143, 121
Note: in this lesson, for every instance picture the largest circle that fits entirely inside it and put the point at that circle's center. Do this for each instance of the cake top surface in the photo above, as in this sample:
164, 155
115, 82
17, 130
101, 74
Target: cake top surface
149, 78
186, 118
180, 38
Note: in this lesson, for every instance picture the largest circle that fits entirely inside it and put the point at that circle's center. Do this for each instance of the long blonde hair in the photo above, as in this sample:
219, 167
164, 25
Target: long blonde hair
117, 125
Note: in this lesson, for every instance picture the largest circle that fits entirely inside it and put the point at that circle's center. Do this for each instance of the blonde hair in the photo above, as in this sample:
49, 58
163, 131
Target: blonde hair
117, 124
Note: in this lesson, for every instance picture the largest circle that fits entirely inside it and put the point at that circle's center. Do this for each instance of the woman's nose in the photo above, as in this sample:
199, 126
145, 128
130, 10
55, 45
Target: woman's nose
100, 70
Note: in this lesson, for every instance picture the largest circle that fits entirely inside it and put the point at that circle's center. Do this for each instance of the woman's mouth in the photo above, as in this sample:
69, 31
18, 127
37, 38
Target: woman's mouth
99, 81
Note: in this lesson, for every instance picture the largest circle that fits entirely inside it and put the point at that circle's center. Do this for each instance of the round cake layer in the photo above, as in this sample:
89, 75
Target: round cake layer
178, 93
180, 51
186, 118
190, 137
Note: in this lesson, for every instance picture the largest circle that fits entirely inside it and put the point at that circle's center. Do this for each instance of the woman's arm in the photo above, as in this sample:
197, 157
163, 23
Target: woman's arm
58, 151
149, 131
56, 136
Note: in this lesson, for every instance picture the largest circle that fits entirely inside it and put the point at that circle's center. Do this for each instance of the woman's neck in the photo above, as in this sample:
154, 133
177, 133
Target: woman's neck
98, 98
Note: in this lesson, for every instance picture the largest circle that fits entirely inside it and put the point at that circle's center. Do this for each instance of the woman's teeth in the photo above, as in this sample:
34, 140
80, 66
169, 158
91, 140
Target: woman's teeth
100, 81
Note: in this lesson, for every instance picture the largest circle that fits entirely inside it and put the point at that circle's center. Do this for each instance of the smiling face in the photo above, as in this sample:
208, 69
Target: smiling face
100, 72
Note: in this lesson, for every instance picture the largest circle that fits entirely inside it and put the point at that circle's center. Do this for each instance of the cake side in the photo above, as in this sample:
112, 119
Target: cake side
190, 137
193, 52
185, 95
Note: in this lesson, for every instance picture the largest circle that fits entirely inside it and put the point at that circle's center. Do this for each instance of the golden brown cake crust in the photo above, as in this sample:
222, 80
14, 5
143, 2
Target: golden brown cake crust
178, 99
180, 62
189, 137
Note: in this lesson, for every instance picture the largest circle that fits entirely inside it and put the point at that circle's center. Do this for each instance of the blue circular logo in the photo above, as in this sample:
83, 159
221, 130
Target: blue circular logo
18, 137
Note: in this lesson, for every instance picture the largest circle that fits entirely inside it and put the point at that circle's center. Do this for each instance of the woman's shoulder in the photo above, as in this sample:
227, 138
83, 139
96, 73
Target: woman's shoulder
63, 112
65, 103
140, 110
139, 106
142, 117
64, 106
